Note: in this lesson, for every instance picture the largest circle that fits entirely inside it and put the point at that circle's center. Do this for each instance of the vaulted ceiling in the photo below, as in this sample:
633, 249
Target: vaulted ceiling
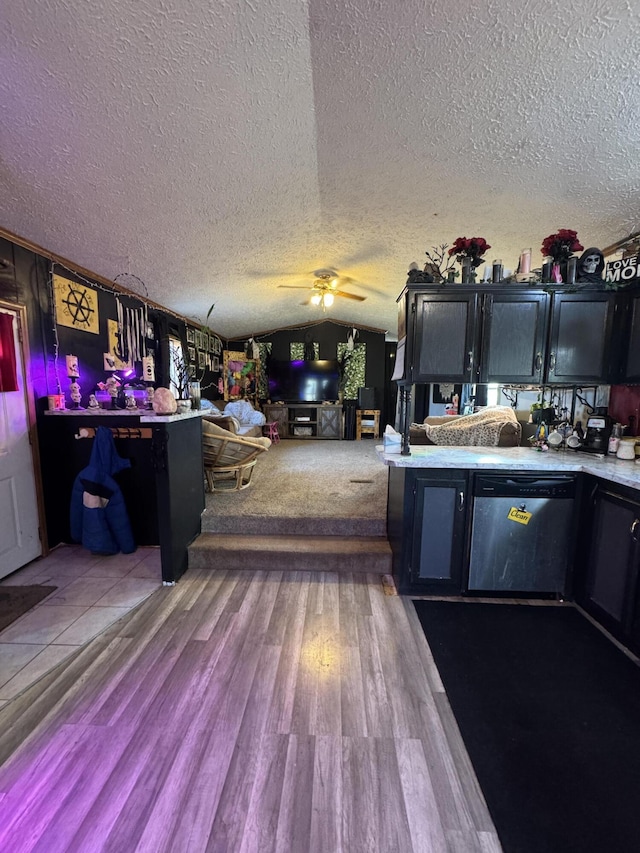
216, 150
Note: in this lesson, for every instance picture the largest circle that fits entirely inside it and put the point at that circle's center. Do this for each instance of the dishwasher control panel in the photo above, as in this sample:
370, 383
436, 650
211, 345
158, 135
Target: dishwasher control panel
502, 486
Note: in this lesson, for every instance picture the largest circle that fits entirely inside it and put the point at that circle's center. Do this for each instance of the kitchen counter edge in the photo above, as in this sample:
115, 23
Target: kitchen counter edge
621, 471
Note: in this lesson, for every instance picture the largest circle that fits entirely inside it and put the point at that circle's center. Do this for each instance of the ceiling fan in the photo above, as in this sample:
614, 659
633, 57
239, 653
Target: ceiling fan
324, 289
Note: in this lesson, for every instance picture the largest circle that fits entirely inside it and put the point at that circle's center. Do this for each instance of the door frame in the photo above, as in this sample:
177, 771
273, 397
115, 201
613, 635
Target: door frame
23, 338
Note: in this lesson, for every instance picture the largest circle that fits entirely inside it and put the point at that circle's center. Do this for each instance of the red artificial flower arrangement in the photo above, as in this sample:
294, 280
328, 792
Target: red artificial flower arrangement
562, 245
472, 247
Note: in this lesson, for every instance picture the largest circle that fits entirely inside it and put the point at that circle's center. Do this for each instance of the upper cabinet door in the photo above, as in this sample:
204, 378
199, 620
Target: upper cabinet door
445, 338
514, 334
631, 367
580, 343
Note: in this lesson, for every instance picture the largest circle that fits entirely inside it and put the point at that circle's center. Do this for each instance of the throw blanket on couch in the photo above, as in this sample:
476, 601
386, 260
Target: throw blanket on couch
481, 429
243, 411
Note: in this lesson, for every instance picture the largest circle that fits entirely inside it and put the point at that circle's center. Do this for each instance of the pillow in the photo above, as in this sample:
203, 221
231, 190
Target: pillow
482, 429
245, 413
209, 407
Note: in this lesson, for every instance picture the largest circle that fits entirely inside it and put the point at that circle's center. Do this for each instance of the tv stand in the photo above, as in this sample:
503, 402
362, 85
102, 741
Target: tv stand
306, 420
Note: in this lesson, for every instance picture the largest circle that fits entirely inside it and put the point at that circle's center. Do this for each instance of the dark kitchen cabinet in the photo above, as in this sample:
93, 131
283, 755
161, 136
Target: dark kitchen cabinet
502, 333
427, 512
581, 337
607, 586
443, 342
514, 330
631, 338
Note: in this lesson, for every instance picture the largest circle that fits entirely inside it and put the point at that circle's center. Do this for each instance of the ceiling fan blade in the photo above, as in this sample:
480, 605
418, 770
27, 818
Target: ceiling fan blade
295, 286
348, 295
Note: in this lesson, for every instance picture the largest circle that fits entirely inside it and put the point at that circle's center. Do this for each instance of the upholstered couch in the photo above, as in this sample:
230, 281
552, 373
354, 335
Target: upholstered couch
493, 426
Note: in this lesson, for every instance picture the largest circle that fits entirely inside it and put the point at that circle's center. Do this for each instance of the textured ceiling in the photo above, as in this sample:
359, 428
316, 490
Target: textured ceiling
217, 150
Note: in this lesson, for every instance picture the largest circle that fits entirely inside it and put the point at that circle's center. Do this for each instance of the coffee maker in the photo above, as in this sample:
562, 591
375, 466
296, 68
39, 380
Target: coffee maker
599, 426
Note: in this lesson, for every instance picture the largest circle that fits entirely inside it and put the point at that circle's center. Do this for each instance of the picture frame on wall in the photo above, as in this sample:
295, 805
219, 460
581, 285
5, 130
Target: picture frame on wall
215, 364
192, 355
212, 344
240, 376
198, 340
191, 335
201, 360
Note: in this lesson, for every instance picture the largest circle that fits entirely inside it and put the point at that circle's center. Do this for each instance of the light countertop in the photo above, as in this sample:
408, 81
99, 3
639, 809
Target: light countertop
146, 416
621, 471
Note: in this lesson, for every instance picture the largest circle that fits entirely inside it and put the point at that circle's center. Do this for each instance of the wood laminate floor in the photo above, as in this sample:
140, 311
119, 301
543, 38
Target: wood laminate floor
244, 712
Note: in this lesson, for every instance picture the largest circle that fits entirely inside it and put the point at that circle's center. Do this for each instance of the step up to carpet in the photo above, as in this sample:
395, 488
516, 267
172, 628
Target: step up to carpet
275, 525
370, 554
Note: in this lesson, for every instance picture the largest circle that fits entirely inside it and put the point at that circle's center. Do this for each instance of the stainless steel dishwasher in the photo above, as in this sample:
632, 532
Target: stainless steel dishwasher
521, 533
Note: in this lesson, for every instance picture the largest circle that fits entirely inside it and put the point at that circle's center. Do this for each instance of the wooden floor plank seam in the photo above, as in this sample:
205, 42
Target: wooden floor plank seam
248, 711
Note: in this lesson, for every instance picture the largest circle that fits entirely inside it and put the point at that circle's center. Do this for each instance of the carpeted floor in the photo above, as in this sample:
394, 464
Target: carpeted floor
16, 600
549, 710
297, 479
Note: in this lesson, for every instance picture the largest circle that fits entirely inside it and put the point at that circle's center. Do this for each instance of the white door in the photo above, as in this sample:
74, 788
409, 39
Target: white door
19, 539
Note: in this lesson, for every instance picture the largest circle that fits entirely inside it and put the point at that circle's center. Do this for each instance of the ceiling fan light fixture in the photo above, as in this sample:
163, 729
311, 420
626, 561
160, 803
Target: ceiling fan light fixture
316, 299
327, 300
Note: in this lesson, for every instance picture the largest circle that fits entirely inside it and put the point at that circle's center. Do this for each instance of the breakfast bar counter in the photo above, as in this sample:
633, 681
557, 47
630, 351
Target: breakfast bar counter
621, 471
163, 488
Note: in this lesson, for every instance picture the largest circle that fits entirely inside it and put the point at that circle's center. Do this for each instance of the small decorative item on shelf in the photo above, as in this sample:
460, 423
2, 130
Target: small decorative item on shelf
524, 273
164, 403
437, 270
75, 394
539, 440
73, 372
559, 247
109, 390
469, 252
590, 266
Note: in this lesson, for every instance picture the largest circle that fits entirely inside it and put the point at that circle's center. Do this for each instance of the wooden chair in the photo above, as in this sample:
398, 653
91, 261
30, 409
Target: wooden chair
228, 458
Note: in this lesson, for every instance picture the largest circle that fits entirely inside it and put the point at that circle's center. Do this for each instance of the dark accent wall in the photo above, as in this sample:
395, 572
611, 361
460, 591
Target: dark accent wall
327, 335
26, 282
28, 285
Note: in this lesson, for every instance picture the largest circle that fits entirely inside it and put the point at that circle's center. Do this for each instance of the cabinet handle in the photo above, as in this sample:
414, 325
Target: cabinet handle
470, 364
460, 501
634, 527
538, 360
552, 361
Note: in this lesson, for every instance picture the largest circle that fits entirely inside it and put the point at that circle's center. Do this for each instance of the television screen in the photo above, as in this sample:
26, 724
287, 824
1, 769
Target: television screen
303, 381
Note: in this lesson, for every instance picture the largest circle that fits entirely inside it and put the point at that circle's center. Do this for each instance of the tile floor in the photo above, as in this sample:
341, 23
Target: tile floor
91, 593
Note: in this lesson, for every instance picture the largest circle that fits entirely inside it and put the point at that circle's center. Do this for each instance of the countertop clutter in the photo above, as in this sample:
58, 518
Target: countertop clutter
622, 471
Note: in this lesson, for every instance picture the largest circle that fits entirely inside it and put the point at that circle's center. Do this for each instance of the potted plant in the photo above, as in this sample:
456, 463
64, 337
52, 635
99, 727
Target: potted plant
540, 412
182, 373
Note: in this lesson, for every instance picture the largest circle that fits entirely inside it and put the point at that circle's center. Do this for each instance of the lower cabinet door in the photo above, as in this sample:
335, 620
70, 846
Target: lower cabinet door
609, 589
329, 422
440, 508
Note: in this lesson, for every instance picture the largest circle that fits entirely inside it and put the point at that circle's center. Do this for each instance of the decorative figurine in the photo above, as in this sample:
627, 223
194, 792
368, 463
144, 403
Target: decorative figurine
590, 265
130, 402
93, 402
112, 386
75, 394
150, 392
418, 276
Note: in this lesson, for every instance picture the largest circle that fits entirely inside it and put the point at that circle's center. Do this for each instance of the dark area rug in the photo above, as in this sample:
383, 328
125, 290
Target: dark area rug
16, 600
549, 710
